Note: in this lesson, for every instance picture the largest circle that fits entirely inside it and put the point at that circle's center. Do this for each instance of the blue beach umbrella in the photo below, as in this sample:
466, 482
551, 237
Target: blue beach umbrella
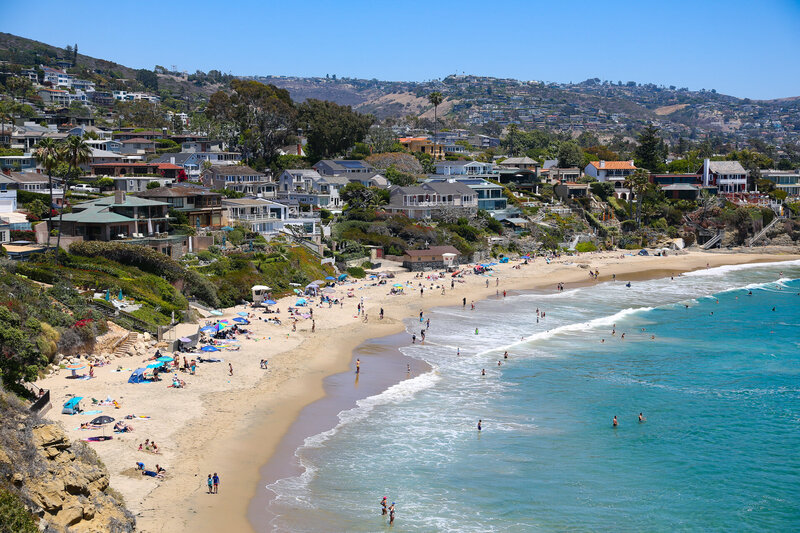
209, 349
208, 329
108, 295
342, 277
164, 359
242, 313
120, 294
330, 278
155, 365
240, 320
301, 301
270, 302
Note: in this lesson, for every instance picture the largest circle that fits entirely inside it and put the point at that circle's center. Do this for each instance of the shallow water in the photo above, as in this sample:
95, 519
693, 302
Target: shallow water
719, 386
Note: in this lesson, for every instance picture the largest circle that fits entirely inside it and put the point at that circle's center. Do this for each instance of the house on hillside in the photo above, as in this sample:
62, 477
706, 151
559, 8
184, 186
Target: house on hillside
150, 135
524, 163
422, 201
138, 145
433, 258
490, 195
202, 207
784, 180
337, 167
728, 176
309, 187
463, 168
240, 178
423, 145
163, 170
615, 172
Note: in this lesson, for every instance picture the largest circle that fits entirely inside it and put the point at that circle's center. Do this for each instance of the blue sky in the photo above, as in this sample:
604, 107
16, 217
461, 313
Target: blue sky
744, 48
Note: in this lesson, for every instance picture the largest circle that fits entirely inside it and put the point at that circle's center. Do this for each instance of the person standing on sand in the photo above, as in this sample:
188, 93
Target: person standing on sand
210, 485
313, 326
358, 366
230, 369
216, 483
381, 313
464, 302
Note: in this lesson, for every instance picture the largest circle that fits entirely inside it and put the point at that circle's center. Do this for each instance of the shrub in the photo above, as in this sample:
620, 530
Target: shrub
585, 247
356, 272
14, 517
367, 265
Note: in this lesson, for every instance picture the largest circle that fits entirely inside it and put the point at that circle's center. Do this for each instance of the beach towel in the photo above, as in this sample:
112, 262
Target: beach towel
91, 412
97, 439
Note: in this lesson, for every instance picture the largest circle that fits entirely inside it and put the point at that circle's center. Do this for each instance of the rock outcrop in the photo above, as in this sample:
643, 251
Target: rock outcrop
61, 482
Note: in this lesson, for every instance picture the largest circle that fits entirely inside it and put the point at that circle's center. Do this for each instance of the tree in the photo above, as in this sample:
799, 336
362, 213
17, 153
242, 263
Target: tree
48, 155
148, 78
637, 183
785, 164
603, 189
381, 139
652, 151
153, 185
569, 155
75, 152
257, 118
396, 177
331, 129
357, 196
435, 98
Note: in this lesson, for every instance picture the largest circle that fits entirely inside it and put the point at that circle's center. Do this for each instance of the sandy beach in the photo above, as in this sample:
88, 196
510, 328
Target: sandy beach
233, 424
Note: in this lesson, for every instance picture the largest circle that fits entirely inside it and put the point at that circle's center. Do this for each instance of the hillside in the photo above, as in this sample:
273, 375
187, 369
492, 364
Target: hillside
602, 106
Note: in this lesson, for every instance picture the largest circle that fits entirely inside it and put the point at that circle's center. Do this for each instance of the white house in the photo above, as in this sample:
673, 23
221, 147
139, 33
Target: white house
463, 168
265, 216
614, 171
56, 77
728, 176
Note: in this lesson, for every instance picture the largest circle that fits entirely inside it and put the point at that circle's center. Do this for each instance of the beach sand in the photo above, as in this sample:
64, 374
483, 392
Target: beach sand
234, 424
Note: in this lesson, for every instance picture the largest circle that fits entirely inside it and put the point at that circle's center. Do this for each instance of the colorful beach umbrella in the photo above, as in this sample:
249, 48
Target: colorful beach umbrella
209, 349
397, 285
75, 366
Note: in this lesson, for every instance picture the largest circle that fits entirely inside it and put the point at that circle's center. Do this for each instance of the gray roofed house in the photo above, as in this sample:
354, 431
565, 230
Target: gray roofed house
333, 167
519, 162
729, 176
240, 178
422, 201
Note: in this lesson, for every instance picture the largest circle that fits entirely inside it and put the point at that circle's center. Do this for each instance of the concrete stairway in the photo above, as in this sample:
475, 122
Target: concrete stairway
122, 348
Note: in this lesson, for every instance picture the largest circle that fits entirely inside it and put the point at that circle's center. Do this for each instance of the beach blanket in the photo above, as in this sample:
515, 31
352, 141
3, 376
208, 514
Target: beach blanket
209, 360
91, 412
134, 417
97, 439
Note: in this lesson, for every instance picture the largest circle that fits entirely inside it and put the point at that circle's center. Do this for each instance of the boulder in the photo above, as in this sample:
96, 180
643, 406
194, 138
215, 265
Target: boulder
49, 495
50, 435
71, 514
88, 511
146, 337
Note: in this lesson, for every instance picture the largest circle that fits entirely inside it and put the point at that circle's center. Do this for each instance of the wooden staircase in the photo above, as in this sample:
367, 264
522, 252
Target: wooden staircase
122, 348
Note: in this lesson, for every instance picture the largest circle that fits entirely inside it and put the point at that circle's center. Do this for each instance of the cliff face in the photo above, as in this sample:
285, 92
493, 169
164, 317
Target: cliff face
62, 483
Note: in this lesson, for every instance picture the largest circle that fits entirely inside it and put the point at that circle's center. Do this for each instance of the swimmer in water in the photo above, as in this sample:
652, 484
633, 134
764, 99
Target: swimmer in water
505, 355
483, 372
499, 362
480, 426
641, 418
614, 422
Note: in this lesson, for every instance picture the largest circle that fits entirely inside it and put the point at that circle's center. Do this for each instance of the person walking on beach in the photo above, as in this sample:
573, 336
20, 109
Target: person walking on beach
383, 506
230, 369
210, 485
216, 483
381, 315
422, 335
427, 323
464, 302
358, 366
313, 326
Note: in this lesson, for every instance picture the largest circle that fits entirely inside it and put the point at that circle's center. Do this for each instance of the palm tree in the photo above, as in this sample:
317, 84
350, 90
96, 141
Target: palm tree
48, 155
435, 98
75, 152
637, 183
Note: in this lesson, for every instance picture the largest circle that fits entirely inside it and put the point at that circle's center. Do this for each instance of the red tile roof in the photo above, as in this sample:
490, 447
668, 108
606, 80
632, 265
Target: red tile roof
614, 165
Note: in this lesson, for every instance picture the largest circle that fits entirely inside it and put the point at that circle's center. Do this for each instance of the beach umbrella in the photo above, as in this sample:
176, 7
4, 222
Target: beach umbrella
155, 365
330, 278
313, 285
240, 320
164, 359
75, 367
301, 301
227, 228
208, 329
185, 339
270, 302
397, 285
297, 291
342, 277
209, 349
242, 313
102, 420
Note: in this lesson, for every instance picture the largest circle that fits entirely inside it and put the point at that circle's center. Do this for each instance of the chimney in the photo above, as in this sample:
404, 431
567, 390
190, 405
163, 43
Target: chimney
119, 197
705, 172
602, 164
299, 149
536, 171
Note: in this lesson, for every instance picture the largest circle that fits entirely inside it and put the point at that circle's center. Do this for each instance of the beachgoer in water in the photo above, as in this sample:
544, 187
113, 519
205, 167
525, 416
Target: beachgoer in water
614, 422
464, 302
383, 506
358, 366
483, 372
476, 331
391, 514
505, 355
413, 338
499, 362
641, 418
480, 425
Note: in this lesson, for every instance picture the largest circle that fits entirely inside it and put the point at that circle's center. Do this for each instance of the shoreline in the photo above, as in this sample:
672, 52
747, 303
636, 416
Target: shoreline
236, 425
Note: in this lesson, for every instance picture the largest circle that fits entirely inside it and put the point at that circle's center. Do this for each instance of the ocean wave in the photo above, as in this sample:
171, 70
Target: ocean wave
570, 328
716, 271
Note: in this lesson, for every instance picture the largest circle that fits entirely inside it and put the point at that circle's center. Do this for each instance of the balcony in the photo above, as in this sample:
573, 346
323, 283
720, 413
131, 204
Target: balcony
255, 217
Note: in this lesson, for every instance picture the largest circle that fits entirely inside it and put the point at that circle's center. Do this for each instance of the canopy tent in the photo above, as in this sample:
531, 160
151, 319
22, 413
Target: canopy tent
270, 302
137, 376
342, 277
72, 406
313, 285
185, 339
155, 365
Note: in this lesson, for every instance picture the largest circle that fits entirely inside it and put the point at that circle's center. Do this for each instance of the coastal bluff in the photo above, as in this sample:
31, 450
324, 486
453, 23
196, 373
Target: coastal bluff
62, 484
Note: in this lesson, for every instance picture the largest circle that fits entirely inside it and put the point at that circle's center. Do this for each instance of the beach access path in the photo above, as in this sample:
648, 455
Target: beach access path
232, 424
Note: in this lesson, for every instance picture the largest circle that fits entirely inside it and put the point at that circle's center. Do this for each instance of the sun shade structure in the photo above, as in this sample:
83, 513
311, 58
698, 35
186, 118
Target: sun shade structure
209, 349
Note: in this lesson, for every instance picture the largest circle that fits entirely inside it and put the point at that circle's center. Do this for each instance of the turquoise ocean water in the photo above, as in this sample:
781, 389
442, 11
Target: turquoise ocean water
719, 386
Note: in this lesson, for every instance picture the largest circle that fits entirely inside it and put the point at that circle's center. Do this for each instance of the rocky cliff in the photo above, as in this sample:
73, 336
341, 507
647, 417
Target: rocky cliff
62, 483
